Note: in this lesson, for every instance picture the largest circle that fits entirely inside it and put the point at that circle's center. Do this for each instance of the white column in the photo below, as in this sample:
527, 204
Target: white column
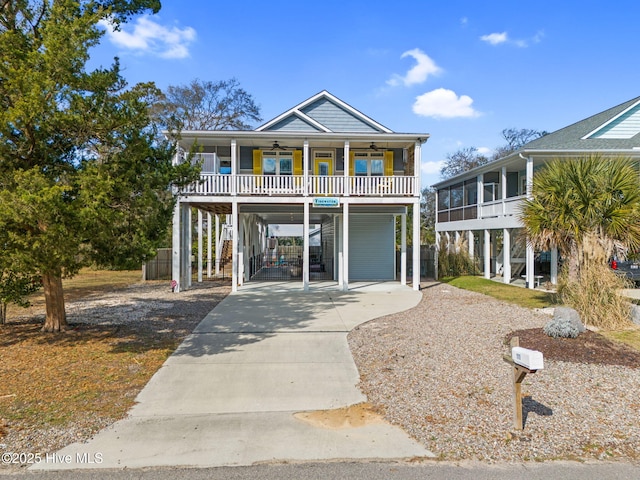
506, 256
456, 243
218, 250
346, 169
403, 249
200, 246
176, 248
470, 243
209, 245
417, 168
554, 266
234, 167
338, 226
530, 265
305, 167
503, 187
416, 244
234, 244
305, 248
529, 176
345, 245
487, 254
437, 254
241, 242
186, 247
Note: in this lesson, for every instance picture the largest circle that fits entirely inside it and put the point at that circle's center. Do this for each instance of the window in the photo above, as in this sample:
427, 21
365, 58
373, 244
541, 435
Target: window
369, 164
277, 163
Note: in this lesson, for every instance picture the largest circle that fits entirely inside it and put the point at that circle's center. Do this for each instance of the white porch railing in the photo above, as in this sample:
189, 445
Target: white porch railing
499, 208
217, 184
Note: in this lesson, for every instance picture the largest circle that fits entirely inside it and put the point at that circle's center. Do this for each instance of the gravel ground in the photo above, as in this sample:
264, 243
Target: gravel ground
437, 371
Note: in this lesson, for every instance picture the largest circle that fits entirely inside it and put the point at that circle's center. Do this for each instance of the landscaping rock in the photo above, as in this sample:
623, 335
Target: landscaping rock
566, 323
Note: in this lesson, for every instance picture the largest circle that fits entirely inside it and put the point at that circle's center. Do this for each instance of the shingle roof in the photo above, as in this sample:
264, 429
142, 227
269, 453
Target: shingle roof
572, 137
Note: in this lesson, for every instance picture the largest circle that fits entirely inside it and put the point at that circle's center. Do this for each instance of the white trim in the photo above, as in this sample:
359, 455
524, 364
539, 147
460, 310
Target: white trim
326, 95
610, 121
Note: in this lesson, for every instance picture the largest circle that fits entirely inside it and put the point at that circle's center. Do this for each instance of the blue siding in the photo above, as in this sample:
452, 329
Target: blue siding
625, 126
292, 124
335, 118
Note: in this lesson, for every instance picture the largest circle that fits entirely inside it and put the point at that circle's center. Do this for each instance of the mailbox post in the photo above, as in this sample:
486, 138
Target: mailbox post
523, 361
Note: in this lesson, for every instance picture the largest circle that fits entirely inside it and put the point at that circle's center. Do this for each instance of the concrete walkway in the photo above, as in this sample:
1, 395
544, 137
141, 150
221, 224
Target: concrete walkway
229, 393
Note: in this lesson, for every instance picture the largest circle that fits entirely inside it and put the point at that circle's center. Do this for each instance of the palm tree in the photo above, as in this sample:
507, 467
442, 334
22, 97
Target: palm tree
580, 198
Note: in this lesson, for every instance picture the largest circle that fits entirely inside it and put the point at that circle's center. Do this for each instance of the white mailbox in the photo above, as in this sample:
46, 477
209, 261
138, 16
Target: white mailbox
531, 359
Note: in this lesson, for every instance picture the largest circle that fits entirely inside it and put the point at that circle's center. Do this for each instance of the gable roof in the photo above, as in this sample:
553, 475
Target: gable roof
323, 113
617, 128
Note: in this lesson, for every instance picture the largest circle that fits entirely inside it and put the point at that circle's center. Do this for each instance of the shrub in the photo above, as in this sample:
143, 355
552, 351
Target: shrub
565, 324
455, 261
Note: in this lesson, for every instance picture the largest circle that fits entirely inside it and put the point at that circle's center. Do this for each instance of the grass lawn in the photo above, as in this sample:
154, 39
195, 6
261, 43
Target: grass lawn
524, 297
532, 299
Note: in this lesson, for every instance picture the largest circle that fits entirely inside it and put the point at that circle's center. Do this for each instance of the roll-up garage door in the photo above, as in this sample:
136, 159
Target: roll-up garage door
371, 247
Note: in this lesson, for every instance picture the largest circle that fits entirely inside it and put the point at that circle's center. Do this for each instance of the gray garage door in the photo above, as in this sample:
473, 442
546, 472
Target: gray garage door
371, 247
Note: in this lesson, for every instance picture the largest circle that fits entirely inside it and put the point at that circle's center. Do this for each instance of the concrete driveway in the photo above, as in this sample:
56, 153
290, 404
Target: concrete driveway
229, 393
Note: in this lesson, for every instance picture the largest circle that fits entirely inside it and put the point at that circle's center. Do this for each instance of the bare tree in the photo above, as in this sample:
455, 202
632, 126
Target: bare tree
461, 161
206, 105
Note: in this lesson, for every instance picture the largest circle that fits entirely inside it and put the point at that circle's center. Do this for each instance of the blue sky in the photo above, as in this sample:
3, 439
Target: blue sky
461, 71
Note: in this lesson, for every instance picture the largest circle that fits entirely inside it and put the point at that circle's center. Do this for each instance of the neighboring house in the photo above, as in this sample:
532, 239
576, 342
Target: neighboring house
482, 205
321, 164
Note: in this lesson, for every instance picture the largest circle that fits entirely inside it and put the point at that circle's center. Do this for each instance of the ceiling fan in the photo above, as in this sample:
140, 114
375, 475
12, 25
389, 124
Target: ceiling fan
277, 146
373, 147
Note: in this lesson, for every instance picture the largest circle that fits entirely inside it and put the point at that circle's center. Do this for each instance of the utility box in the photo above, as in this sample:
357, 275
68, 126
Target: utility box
531, 359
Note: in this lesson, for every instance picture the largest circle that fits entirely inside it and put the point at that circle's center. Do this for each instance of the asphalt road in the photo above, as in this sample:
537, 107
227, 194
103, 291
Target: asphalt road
358, 470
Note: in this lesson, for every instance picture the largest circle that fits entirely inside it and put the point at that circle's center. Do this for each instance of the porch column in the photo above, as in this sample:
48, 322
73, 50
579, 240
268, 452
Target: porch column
185, 244
345, 246
305, 168
346, 169
456, 242
200, 246
506, 256
487, 253
416, 244
241, 242
403, 249
529, 177
217, 241
234, 246
234, 169
209, 245
503, 188
554, 266
417, 168
530, 265
176, 248
435, 274
305, 248
470, 242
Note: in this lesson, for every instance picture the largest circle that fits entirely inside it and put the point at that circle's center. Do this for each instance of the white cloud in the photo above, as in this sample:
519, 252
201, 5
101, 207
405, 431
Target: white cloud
443, 103
486, 151
418, 73
495, 38
148, 36
430, 168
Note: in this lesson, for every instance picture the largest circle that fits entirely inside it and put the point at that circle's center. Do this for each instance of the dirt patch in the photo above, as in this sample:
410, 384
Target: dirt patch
353, 416
589, 347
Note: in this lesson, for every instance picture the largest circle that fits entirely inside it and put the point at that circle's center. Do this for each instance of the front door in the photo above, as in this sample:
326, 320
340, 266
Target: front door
322, 168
